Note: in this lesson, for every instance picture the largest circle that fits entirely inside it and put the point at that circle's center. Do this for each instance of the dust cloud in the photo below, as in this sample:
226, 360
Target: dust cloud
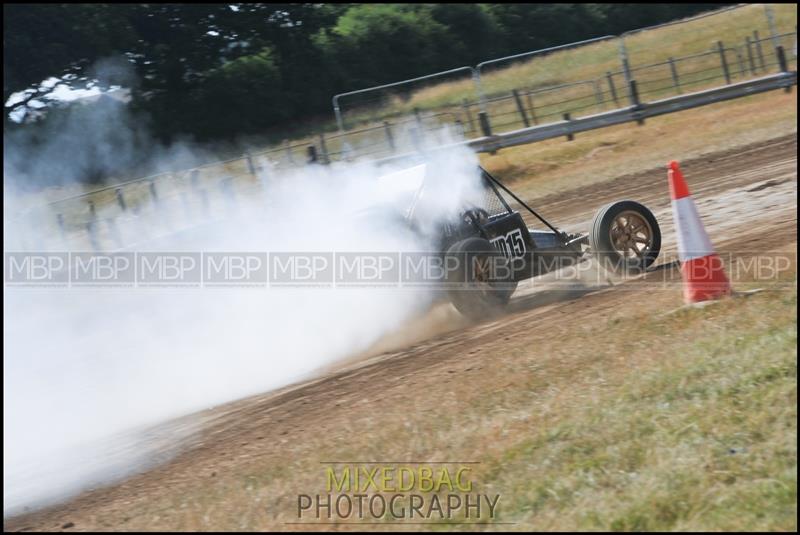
89, 372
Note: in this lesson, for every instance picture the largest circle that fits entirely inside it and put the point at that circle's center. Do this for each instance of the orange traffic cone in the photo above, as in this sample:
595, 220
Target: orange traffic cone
702, 270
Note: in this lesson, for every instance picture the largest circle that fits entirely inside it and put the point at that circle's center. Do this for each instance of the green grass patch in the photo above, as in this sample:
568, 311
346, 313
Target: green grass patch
701, 436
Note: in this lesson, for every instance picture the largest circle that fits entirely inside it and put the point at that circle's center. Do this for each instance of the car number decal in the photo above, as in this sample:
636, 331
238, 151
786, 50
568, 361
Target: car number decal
510, 244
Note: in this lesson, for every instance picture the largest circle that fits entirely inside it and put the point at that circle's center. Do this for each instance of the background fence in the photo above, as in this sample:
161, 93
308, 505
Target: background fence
540, 87
533, 90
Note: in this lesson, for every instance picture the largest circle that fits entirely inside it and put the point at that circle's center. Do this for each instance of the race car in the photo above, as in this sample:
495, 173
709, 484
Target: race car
488, 247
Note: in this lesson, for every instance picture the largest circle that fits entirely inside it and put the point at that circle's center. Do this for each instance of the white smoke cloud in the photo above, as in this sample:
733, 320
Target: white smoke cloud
89, 371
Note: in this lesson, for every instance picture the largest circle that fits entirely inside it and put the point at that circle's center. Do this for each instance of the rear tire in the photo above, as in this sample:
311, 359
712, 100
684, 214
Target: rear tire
479, 293
625, 237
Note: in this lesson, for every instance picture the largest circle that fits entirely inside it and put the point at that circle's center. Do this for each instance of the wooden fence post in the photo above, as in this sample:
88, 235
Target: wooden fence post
460, 126
60, 221
634, 91
520, 109
153, 192
387, 128
676, 83
324, 157
740, 61
567, 118
759, 51
465, 107
783, 64
750, 60
249, 160
486, 128
612, 88
724, 62
91, 229
120, 199
531, 107
598, 95
91, 226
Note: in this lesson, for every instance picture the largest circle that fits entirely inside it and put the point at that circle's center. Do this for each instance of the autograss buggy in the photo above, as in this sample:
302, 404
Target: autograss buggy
491, 248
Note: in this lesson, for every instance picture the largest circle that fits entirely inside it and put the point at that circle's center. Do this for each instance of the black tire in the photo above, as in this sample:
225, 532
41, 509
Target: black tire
625, 237
477, 294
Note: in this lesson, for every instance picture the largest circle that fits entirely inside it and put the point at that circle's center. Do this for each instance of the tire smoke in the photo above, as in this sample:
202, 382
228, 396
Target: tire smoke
91, 375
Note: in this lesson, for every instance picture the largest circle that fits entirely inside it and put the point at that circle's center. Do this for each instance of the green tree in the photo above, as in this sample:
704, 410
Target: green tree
242, 96
219, 70
374, 43
41, 41
473, 29
526, 27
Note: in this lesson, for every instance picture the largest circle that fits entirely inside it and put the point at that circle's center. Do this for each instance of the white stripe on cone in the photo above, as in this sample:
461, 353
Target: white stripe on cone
693, 240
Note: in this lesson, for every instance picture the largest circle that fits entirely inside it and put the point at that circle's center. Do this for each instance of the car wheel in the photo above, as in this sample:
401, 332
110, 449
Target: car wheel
625, 237
480, 285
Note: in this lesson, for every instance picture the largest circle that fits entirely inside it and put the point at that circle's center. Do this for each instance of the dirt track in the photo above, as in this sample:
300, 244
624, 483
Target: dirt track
746, 195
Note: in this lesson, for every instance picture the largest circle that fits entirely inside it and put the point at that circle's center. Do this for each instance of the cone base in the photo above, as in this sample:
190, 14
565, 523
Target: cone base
704, 279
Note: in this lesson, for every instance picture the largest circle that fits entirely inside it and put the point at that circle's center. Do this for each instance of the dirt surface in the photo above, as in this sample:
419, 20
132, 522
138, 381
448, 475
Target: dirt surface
746, 196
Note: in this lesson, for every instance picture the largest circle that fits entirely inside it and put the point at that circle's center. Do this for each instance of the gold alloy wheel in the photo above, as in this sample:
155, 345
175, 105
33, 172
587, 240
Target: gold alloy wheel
631, 235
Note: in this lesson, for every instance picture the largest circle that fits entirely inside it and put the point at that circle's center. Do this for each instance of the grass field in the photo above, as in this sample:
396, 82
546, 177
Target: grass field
592, 62
578, 81
698, 434
554, 165
634, 421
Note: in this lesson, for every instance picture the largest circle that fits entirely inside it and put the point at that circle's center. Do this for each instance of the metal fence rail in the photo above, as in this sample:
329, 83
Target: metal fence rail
634, 113
628, 114
538, 110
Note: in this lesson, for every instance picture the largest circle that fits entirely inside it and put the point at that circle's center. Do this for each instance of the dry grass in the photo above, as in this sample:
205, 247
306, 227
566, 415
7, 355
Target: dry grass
594, 61
633, 421
555, 165
698, 433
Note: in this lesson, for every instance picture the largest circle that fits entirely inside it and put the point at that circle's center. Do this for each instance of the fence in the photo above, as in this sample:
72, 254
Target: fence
556, 91
526, 106
586, 77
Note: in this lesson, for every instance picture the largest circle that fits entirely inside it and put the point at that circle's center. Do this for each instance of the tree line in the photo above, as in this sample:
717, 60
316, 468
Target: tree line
218, 71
